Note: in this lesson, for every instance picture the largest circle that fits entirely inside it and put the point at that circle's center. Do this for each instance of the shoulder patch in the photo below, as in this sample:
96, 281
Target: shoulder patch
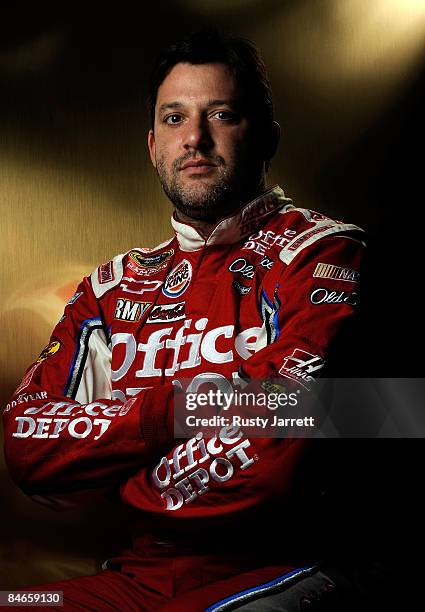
321, 229
107, 275
309, 215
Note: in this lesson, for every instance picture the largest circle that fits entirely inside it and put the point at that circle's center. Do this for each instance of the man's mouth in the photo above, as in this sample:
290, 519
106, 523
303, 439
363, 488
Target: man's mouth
197, 166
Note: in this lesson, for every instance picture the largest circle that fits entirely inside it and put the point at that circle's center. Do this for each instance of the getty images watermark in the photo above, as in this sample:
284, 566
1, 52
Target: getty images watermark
323, 408
262, 409
240, 408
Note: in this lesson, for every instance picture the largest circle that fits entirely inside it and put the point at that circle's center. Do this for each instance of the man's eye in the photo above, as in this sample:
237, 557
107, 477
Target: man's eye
172, 119
225, 115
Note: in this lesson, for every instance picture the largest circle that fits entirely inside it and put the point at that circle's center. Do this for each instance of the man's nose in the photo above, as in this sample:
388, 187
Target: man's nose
198, 135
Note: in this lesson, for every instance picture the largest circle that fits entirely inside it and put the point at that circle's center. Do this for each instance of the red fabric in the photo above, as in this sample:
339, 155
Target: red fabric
243, 299
162, 577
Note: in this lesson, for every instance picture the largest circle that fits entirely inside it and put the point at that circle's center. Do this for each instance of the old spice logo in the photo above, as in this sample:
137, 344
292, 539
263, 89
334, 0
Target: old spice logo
167, 312
197, 463
322, 295
178, 280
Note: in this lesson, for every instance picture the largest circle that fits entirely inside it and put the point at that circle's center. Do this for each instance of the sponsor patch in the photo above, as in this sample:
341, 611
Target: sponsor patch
232, 453
127, 310
266, 263
149, 265
246, 269
27, 378
309, 234
178, 280
106, 273
74, 298
262, 241
23, 399
311, 215
145, 271
50, 350
242, 289
167, 313
301, 366
252, 214
74, 425
243, 267
220, 344
131, 285
336, 273
151, 261
321, 295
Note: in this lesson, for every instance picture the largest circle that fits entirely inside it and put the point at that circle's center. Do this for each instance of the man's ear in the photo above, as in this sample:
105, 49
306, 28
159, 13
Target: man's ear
272, 143
275, 133
151, 147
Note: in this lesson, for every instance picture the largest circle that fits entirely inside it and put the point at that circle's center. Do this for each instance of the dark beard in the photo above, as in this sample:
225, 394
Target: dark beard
223, 198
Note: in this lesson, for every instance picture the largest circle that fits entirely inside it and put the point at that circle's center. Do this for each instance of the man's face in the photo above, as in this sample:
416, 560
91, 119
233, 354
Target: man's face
203, 145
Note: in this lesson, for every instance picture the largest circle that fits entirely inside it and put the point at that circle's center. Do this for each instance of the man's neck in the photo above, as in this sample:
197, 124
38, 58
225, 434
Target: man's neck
205, 227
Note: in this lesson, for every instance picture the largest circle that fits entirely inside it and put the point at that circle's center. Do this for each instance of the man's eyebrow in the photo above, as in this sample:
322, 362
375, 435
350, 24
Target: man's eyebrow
218, 102
212, 102
170, 105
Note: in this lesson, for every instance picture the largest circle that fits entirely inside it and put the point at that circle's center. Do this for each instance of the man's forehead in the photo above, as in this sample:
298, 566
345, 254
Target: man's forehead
205, 83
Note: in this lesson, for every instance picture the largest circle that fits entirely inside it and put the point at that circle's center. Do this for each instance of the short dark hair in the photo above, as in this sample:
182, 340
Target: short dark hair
209, 45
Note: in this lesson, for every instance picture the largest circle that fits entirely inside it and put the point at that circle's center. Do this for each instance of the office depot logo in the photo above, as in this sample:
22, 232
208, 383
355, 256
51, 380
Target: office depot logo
191, 343
199, 463
178, 280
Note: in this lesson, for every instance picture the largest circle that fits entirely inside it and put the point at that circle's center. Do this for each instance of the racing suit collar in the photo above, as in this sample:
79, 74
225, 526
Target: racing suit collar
229, 230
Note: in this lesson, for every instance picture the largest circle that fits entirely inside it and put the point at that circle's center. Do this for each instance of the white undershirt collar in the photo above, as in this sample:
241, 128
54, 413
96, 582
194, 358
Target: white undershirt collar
231, 229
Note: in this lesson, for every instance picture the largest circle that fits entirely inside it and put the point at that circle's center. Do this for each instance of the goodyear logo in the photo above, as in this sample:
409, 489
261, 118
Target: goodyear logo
127, 310
178, 280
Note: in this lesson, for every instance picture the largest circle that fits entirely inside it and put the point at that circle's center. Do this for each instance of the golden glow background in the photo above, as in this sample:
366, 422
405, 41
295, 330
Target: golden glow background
76, 185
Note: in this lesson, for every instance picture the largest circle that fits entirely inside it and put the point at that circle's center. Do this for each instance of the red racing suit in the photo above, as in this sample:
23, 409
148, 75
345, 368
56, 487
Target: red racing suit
264, 294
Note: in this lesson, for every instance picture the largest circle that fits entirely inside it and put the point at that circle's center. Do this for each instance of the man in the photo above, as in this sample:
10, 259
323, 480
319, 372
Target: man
243, 290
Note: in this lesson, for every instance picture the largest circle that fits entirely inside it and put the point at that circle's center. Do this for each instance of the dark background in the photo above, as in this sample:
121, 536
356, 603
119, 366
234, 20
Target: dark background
348, 80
